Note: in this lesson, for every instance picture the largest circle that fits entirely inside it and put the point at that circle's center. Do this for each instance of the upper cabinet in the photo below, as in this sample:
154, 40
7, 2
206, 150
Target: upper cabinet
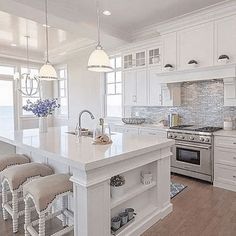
135, 88
154, 56
169, 51
195, 46
225, 39
134, 60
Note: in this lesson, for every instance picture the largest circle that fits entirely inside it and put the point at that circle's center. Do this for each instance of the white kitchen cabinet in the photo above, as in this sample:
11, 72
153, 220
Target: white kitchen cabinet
154, 56
135, 88
230, 92
225, 38
196, 43
170, 50
154, 90
225, 162
134, 60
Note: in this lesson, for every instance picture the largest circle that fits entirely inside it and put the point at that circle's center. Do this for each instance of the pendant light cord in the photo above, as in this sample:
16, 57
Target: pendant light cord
27, 52
46, 21
98, 23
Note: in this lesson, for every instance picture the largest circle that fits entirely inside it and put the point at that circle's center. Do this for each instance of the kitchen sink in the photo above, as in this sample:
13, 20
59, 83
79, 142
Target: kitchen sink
83, 133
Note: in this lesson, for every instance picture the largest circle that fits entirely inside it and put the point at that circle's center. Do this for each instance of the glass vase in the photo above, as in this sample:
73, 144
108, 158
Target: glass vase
43, 124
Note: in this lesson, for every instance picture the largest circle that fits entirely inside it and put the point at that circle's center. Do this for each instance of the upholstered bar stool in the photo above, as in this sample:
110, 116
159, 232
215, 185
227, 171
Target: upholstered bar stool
44, 192
14, 178
11, 160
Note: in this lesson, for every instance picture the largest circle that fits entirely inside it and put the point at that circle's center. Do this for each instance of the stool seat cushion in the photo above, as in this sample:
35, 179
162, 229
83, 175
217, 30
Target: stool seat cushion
18, 175
12, 159
44, 190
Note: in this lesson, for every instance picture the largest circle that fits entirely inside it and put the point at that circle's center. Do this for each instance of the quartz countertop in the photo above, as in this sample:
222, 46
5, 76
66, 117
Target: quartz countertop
227, 133
144, 126
80, 152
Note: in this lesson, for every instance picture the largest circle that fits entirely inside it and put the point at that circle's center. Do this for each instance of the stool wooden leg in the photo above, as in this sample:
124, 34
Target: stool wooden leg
4, 201
64, 206
27, 216
41, 224
15, 211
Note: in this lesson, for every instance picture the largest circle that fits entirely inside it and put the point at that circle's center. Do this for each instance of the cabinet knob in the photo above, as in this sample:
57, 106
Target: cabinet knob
234, 158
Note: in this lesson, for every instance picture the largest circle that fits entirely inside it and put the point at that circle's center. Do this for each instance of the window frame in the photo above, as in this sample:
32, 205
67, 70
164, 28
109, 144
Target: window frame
119, 69
66, 82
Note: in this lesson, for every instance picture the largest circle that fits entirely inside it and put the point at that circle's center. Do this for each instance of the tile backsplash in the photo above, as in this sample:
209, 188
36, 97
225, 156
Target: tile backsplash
202, 104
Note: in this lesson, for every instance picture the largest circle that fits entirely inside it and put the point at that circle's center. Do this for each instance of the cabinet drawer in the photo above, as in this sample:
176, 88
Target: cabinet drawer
225, 142
225, 156
225, 174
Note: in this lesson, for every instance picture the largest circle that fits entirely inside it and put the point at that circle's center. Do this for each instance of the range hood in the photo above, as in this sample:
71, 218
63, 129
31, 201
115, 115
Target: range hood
196, 74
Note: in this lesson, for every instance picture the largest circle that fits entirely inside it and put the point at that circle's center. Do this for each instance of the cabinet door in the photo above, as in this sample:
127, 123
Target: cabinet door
170, 49
225, 36
154, 56
140, 59
196, 43
154, 88
130, 97
230, 92
141, 80
128, 61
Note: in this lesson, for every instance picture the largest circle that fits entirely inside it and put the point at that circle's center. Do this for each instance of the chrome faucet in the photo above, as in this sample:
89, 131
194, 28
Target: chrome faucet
78, 127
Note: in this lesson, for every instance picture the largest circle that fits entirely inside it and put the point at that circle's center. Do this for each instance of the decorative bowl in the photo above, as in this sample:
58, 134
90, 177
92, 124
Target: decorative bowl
133, 121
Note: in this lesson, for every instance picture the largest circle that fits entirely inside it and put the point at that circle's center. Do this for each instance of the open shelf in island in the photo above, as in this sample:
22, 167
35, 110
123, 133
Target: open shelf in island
131, 193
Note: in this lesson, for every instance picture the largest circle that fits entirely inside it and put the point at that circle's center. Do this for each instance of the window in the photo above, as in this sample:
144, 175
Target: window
113, 89
7, 70
62, 91
34, 98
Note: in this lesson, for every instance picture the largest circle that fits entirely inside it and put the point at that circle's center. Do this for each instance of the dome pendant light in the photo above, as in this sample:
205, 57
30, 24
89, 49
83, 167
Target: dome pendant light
99, 60
47, 71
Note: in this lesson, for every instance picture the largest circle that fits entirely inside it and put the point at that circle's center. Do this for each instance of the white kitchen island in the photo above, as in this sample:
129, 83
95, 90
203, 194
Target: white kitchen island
92, 166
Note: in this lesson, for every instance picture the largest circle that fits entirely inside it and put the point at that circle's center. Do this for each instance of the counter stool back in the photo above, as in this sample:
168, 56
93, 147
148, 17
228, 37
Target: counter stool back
14, 178
44, 192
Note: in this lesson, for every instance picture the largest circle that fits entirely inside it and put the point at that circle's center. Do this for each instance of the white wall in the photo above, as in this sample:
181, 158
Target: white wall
84, 90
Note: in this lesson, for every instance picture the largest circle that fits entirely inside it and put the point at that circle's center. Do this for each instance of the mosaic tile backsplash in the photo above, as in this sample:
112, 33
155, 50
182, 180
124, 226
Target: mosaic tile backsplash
202, 104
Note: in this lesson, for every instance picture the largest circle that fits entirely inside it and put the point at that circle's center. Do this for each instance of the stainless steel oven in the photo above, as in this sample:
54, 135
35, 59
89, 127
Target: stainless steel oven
193, 159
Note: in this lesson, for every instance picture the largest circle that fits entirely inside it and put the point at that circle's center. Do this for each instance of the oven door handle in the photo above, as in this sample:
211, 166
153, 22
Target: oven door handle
194, 146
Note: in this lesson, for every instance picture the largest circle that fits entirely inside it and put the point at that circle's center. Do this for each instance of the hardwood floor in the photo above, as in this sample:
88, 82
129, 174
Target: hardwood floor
200, 210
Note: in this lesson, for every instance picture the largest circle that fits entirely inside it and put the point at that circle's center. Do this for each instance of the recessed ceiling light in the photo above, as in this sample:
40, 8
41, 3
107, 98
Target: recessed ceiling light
13, 44
44, 25
106, 13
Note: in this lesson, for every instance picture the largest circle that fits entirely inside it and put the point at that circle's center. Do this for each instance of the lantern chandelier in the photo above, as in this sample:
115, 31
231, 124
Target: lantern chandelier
27, 85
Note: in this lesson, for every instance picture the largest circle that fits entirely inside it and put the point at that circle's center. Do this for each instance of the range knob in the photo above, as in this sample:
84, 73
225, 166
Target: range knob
181, 137
170, 136
202, 139
207, 140
191, 138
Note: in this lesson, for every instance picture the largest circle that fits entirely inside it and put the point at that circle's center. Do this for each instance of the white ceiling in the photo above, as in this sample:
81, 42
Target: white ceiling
73, 22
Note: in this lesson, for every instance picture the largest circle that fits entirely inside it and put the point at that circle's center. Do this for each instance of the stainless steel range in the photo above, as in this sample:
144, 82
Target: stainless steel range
193, 151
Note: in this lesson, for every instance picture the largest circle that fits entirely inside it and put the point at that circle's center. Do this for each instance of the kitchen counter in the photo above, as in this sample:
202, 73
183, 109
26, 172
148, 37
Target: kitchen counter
226, 133
144, 126
80, 152
92, 166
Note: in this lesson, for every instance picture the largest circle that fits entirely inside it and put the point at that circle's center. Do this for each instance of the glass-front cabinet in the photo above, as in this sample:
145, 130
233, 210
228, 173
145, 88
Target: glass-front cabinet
134, 60
154, 56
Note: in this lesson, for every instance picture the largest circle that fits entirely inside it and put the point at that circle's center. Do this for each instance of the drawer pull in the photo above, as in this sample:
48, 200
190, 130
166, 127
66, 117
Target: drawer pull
234, 158
234, 143
234, 176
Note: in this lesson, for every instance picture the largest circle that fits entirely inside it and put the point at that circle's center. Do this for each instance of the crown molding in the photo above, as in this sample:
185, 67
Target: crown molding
211, 13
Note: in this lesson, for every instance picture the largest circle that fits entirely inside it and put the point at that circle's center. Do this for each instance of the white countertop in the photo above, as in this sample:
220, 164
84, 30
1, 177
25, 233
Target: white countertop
59, 145
227, 133
144, 126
